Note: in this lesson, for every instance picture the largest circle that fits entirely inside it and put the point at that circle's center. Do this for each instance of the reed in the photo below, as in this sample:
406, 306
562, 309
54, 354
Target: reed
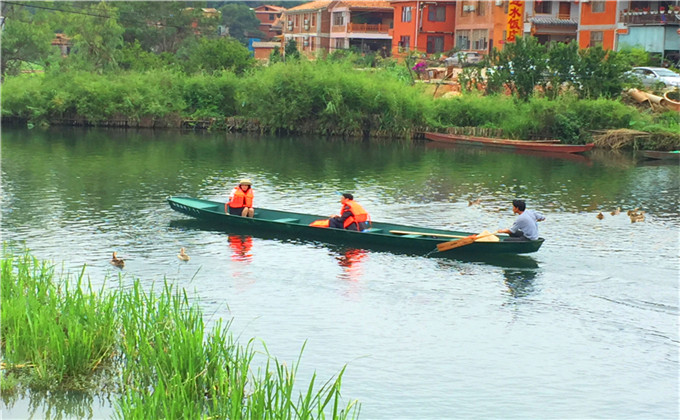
59, 334
58, 330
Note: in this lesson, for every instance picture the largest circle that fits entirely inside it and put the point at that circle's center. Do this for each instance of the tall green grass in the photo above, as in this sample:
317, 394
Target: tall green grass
58, 334
321, 97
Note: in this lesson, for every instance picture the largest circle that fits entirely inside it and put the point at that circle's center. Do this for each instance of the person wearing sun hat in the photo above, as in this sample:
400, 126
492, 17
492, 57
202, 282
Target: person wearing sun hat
241, 200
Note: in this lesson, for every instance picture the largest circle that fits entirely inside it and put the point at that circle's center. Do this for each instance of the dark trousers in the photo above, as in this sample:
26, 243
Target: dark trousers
517, 237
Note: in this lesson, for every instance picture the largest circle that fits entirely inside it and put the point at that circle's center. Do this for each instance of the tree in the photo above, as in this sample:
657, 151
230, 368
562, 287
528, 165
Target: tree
600, 73
163, 26
241, 21
526, 59
561, 71
23, 41
212, 55
96, 35
290, 51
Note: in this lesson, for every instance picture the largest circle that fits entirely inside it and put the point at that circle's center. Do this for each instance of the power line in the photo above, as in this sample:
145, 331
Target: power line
84, 13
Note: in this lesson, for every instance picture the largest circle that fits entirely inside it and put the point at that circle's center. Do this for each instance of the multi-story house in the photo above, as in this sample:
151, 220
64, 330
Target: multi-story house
339, 25
480, 25
423, 26
652, 25
269, 17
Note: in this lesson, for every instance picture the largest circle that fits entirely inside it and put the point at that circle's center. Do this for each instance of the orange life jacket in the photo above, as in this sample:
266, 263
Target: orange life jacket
240, 198
324, 223
359, 215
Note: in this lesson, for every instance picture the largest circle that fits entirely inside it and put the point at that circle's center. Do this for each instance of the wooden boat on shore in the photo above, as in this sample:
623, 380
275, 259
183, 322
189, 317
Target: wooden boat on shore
656, 154
551, 146
381, 236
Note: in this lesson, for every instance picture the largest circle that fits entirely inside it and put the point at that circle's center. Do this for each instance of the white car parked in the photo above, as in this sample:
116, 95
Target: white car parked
649, 76
469, 57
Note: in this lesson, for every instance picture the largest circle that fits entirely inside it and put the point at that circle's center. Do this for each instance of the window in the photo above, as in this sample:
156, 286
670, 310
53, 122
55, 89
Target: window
339, 43
597, 6
480, 39
405, 42
596, 38
406, 14
313, 19
338, 19
463, 40
481, 8
435, 44
436, 13
271, 16
543, 7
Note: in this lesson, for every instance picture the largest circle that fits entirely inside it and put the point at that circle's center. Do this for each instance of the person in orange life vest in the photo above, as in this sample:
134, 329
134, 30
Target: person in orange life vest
241, 200
352, 215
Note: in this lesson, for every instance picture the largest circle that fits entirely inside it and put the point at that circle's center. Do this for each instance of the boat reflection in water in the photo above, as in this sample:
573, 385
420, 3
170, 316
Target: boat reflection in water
350, 260
520, 282
241, 246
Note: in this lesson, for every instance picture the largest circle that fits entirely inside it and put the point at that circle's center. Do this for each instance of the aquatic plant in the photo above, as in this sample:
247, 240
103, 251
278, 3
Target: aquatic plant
59, 334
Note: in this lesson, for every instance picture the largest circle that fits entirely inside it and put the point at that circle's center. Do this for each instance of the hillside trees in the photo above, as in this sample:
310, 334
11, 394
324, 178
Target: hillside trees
24, 40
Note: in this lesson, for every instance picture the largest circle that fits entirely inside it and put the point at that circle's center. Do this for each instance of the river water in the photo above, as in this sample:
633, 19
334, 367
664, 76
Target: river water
585, 328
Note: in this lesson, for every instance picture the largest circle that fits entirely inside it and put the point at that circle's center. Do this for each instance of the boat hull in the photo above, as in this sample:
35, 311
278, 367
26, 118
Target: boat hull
537, 146
289, 224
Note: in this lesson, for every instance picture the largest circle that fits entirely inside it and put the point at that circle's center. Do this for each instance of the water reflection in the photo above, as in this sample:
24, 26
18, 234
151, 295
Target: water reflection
241, 246
58, 405
351, 262
520, 282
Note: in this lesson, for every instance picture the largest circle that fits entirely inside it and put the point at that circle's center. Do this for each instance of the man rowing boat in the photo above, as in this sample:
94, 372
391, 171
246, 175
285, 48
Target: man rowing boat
525, 227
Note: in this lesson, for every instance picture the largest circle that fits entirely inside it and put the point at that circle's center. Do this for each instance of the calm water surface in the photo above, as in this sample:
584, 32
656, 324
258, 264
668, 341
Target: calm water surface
585, 328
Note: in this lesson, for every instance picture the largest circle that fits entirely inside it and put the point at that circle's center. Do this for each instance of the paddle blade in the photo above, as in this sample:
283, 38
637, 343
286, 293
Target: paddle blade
445, 246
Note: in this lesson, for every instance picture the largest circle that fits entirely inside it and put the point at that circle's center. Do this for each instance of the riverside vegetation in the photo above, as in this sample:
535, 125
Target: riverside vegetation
58, 334
123, 72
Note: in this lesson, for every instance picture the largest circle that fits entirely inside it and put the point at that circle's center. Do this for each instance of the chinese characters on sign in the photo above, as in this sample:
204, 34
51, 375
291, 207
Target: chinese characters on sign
515, 20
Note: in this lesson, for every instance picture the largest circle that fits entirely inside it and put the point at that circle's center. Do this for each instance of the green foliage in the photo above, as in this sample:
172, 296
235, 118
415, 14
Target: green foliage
599, 73
560, 71
162, 26
332, 96
95, 40
241, 21
275, 56
160, 360
523, 64
134, 57
23, 40
290, 51
210, 96
215, 55
635, 56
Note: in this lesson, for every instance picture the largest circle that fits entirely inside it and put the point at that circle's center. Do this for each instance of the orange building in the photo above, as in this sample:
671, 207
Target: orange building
481, 25
597, 24
339, 25
426, 27
269, 17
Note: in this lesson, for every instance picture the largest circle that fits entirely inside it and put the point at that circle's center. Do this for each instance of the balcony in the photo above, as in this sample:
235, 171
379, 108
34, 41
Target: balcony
368, 28
650, 18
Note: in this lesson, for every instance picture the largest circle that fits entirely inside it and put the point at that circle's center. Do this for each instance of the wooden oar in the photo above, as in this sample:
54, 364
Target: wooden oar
438, 235
445, 246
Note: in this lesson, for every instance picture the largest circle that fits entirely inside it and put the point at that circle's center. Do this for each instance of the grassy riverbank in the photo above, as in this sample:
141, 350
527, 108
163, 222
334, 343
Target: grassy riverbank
321, 97
58, 334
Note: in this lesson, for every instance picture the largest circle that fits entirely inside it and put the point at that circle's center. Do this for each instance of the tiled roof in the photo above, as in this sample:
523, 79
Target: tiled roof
548, 20
352, 4
266, 8
364, 3
313, 5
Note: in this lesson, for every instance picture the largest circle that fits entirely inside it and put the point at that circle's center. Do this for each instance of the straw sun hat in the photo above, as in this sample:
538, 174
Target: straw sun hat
245, 181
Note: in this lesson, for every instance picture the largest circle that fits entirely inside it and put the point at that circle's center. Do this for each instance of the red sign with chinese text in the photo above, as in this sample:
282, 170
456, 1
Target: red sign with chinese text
515, 20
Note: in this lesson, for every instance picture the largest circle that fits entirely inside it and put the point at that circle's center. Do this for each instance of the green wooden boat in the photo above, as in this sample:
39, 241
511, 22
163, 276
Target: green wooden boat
381, 236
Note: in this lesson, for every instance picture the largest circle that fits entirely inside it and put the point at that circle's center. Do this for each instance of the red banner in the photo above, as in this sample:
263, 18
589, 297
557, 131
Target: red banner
515, 20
